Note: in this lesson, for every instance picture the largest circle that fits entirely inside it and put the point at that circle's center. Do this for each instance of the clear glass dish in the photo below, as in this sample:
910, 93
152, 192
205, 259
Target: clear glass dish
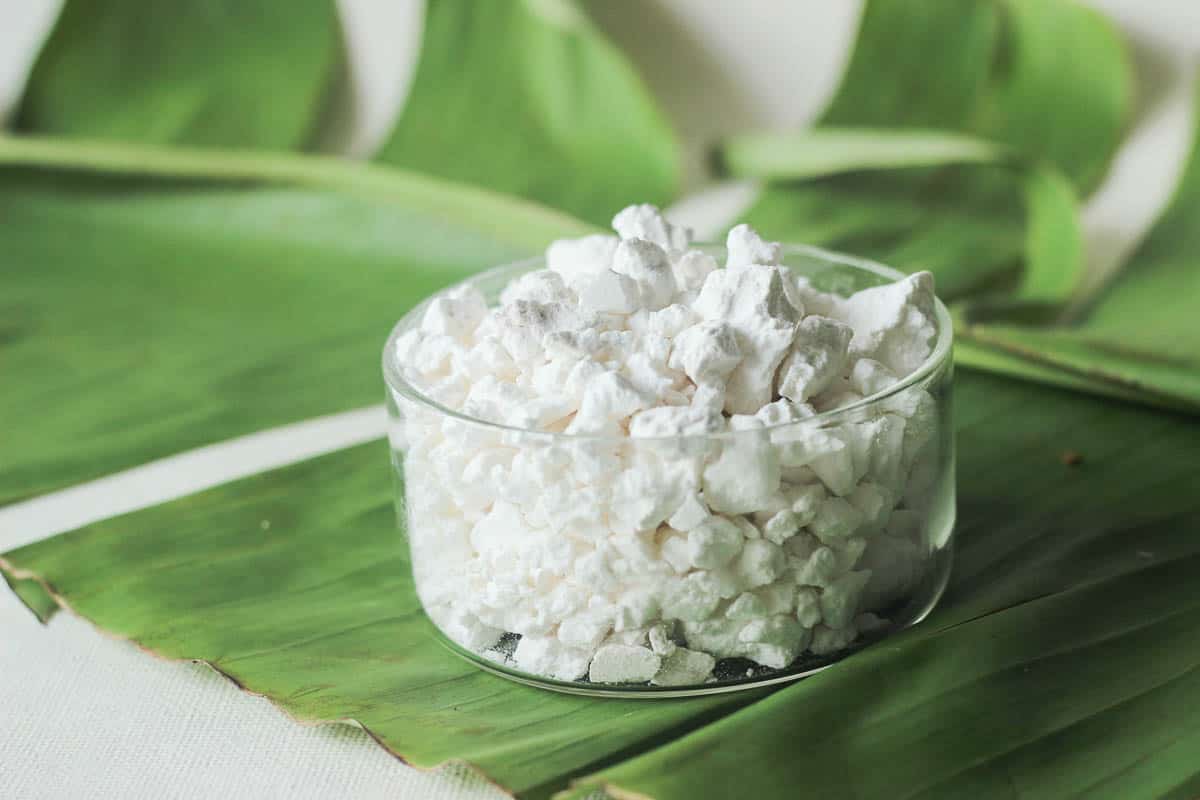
450, 475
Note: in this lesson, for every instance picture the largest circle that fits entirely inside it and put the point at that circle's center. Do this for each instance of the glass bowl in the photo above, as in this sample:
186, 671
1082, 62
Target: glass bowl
871, 487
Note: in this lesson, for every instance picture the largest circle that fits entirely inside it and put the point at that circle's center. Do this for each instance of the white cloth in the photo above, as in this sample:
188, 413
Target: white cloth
86, 715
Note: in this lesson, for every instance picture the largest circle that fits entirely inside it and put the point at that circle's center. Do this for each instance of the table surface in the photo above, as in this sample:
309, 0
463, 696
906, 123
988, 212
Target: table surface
83, 714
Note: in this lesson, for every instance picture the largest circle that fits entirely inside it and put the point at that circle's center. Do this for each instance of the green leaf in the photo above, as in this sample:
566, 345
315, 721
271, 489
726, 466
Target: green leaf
294, 583
225, 73
154, 301
1053, 238
884, 197
1140, 337
529, 98
1026, 366
1048, 77
967, 225
821, 152
33, 595
1048, 86
1061, 663
1060, 87
1097, 364
956, 124
917, 65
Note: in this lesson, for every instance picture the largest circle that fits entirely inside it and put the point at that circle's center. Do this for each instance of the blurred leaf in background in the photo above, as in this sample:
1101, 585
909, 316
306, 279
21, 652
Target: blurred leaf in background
201, 262
1045, 89
976, 215
224, 73
169, 299
1033, 87
1140, 337
528, 97
1050, 79
143, 285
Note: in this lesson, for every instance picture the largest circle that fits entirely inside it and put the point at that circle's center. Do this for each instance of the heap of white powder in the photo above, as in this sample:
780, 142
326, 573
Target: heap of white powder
665, 505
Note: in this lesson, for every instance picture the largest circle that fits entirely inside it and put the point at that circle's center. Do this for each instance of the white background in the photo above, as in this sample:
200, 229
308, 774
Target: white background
85, 715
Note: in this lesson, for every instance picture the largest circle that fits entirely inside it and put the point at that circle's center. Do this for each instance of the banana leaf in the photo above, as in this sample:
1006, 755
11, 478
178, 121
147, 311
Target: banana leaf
1061, 660
974, 213
828, 150
1050, 78
1140, 336
529, 98
223, 73
34, 596
952, 144
152, 301
913, 197
512, 96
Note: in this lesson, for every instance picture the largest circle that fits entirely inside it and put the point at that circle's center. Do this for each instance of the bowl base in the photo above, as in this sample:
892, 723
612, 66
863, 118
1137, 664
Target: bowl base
925, 599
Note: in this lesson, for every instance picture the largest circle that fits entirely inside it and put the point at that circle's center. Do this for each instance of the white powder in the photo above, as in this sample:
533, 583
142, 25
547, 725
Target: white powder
619, 551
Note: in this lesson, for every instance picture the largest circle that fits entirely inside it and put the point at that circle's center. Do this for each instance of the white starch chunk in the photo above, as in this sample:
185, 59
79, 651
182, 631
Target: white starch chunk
621, 663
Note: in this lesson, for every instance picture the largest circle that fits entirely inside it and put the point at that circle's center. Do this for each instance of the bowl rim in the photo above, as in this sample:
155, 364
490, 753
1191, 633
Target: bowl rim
938, 357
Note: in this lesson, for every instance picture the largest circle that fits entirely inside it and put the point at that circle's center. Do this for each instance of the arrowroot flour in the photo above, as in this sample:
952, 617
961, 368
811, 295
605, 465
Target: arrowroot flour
646, 466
